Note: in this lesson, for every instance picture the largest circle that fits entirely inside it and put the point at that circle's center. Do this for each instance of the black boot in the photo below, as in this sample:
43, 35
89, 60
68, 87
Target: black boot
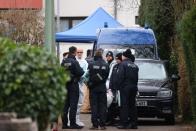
75, 126
122, 127
132, 126
65, 127
94, 128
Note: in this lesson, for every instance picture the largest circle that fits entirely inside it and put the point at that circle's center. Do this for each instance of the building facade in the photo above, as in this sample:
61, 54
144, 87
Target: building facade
21, 4
125, 11
70, 13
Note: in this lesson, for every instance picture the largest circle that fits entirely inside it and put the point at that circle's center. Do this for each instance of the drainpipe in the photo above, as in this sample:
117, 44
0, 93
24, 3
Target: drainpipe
115, 9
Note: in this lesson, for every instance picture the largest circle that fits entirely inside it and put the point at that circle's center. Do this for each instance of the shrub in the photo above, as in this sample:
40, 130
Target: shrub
159, 15
187, 33
184, 89
12, 26
32, 83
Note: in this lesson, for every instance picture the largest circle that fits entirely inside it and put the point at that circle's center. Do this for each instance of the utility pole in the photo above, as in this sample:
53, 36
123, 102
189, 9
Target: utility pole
58, 26
58, 16
49, 26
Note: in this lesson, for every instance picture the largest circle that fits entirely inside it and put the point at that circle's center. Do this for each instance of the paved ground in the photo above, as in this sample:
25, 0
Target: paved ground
144, 125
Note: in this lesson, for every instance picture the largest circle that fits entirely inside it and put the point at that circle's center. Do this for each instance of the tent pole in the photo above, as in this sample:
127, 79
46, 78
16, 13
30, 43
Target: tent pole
94, 46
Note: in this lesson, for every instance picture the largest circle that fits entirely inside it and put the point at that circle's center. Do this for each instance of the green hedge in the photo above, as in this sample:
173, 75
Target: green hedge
32, 82
159, 15
187, 33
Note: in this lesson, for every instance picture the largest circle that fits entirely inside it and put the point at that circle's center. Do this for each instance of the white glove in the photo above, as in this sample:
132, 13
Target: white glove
110, 97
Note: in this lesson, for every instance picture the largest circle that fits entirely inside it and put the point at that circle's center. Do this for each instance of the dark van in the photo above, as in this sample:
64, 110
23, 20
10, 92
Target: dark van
155, 87
142, 41
155, 90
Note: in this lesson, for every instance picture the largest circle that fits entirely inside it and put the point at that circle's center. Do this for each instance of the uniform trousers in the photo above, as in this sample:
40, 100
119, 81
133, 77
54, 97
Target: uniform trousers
71, 103
128, 109
98, 102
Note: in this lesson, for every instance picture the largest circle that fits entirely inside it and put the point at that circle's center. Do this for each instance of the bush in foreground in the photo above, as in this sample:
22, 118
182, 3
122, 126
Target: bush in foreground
32, 83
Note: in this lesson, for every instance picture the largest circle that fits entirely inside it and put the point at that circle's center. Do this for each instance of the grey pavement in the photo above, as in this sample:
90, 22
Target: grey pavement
144, 125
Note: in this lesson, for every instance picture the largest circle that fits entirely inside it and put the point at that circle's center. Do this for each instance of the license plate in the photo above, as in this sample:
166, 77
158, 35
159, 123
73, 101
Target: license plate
141, 103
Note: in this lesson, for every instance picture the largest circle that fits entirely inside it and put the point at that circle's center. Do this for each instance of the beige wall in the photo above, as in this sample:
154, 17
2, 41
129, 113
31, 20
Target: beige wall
127, 17
74, 8
79, 8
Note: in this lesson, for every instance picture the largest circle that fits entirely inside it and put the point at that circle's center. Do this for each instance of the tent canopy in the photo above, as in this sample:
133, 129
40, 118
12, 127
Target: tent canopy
126, 36
86, 30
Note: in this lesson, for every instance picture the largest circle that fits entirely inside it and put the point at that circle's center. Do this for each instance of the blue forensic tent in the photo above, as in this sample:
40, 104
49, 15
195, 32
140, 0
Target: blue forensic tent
86, 30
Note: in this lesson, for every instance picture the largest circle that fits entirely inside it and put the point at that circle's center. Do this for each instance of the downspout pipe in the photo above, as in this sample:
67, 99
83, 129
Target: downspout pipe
115, 9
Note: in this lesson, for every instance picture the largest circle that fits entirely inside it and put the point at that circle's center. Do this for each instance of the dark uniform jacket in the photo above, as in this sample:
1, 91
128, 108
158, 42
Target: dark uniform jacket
98, 74
114, 78
128, 75
71, 64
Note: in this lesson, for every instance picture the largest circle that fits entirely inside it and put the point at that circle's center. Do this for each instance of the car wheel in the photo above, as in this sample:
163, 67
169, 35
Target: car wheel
170, 120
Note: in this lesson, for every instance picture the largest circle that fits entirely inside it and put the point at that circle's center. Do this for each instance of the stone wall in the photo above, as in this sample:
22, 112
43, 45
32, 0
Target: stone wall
10, 122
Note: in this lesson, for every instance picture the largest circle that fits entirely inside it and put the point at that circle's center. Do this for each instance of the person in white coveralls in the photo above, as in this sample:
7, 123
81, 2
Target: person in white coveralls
84, 65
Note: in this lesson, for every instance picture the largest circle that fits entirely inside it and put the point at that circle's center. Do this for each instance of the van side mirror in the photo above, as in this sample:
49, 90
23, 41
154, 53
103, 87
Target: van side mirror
175, 77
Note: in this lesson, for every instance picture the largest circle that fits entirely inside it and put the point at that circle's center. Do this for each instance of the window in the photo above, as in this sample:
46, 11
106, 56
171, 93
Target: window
136, 20
75, 22
152, 71
64, 25
67, 23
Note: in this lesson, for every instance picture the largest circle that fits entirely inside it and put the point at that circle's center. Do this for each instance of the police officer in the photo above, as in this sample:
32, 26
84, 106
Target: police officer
98, 73
113, 108
110, 58
71, 102
127, 83
111, 62
89, 55
114, 77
